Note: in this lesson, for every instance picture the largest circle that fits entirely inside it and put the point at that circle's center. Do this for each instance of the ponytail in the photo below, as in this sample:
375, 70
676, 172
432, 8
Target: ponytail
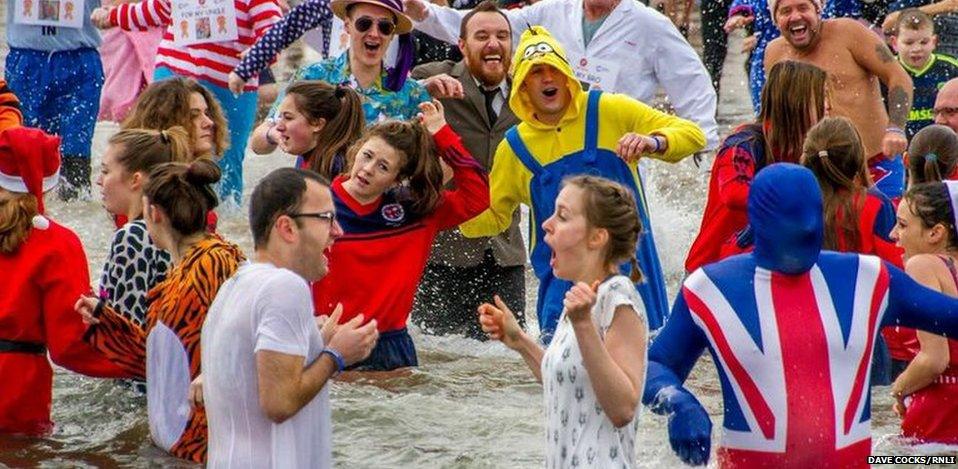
342, 108
143, 149
932, 154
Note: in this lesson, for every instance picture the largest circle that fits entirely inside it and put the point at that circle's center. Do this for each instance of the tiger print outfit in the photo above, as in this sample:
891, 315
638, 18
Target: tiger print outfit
167, 348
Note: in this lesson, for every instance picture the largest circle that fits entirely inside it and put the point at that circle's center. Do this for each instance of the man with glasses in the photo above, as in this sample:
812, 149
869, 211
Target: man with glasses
266, 358
371, 25
946, 105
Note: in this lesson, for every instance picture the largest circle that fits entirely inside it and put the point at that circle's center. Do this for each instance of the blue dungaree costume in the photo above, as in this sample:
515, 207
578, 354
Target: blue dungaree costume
545, 186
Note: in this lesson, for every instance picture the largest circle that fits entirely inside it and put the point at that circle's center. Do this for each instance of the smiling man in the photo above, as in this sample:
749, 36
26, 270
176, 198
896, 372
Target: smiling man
566, 131
462, 273
856, 60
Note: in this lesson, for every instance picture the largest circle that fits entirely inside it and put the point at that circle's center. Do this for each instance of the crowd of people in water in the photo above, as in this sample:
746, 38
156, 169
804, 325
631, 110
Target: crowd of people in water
825, 263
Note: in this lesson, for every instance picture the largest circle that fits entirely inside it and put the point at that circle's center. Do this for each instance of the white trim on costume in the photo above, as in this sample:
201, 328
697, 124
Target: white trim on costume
17, 184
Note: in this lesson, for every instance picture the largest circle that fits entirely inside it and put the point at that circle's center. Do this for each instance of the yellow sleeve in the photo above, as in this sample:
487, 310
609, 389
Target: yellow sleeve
508, 187
684, 136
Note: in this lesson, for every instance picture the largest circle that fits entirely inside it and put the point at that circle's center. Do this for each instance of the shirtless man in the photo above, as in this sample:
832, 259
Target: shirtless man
855, 60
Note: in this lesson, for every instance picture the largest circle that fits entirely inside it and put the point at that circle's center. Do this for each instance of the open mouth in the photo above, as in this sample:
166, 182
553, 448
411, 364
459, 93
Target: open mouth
371, 47
492, 59
798, 31
550, 91
362, 180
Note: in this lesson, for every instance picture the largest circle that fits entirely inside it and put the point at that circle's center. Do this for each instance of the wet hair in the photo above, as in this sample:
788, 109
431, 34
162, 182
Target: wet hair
485, 6
915, 20
418, 164
166, 103
792, 91
611, 206
16, 219
341, 107
834, 152
931, 203
142, 149
932, 154
184, 191
280, 192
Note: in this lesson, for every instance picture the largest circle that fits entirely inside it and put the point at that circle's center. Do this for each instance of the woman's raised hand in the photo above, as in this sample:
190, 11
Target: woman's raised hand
432, 116
499, 323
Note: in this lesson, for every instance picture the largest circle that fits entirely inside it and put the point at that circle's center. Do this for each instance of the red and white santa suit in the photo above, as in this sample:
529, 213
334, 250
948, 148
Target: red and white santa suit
42, 280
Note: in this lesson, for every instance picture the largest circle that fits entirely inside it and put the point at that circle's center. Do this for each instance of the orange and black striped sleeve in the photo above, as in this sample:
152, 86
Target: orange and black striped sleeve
120, 340
10, 113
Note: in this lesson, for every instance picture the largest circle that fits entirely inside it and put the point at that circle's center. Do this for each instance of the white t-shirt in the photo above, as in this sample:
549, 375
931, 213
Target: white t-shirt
261, 307
578, 433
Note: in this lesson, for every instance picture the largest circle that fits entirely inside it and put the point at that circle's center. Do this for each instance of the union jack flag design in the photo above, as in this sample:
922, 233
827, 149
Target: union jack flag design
793, 354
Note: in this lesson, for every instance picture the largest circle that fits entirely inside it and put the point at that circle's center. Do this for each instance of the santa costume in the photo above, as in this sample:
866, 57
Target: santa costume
42, 279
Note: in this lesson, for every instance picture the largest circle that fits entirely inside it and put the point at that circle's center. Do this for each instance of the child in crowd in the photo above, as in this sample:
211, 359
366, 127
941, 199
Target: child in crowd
915, 42
135, 265
858, 217
128, 64
793, 89
45, 269
593, 371
317, 122
164, 351
933, 155
186, 53
391, 205
926, 392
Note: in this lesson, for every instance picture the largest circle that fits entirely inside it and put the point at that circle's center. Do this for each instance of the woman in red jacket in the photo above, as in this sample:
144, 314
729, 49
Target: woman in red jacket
391, 205
45, 270
793, 100
858, 217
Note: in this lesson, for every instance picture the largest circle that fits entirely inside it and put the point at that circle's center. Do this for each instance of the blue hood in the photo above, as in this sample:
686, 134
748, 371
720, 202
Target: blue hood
785, 211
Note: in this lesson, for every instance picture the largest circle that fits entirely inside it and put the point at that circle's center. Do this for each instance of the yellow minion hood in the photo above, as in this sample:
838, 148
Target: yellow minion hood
537, 46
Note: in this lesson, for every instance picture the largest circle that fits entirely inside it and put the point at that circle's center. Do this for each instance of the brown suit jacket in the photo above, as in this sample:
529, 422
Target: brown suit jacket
468, 118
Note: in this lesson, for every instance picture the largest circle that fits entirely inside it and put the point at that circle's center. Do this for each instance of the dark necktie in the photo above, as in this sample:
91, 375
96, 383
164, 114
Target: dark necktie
490, 97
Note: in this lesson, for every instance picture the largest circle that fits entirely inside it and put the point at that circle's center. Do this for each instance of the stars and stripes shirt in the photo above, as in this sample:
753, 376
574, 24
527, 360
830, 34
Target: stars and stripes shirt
212, 61
308, 15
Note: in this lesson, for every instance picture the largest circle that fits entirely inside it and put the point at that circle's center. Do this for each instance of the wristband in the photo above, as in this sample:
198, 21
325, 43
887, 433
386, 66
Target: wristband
340, 362
269, 140
894, 129
658, 144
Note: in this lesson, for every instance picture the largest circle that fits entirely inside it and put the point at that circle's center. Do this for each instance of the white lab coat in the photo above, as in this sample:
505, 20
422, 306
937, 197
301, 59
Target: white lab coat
639, 45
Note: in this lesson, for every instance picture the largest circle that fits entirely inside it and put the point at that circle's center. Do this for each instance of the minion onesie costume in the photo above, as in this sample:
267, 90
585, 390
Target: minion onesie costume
534, 158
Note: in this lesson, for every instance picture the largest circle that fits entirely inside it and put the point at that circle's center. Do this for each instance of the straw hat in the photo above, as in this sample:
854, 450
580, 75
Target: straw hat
403, 23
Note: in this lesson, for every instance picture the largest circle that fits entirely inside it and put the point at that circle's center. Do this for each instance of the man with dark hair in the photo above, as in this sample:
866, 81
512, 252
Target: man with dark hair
265, 358
463, 272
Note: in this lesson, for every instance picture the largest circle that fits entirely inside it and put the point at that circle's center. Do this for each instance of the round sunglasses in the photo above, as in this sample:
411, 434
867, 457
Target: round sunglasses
364, 23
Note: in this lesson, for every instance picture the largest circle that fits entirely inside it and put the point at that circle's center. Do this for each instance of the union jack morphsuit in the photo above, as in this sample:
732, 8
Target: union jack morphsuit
791, 330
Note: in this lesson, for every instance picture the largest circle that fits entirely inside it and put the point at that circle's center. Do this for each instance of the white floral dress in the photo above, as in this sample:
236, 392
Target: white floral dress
578, 433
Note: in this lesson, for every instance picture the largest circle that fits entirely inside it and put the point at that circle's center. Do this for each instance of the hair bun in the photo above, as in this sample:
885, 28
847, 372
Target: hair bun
202, 172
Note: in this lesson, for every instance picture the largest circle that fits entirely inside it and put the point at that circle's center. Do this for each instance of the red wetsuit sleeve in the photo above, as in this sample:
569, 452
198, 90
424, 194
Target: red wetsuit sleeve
63, 283
471, 195
734, 168
122, 341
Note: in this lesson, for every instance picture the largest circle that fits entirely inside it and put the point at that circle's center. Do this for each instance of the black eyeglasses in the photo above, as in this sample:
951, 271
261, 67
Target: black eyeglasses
329, 216
386, 27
